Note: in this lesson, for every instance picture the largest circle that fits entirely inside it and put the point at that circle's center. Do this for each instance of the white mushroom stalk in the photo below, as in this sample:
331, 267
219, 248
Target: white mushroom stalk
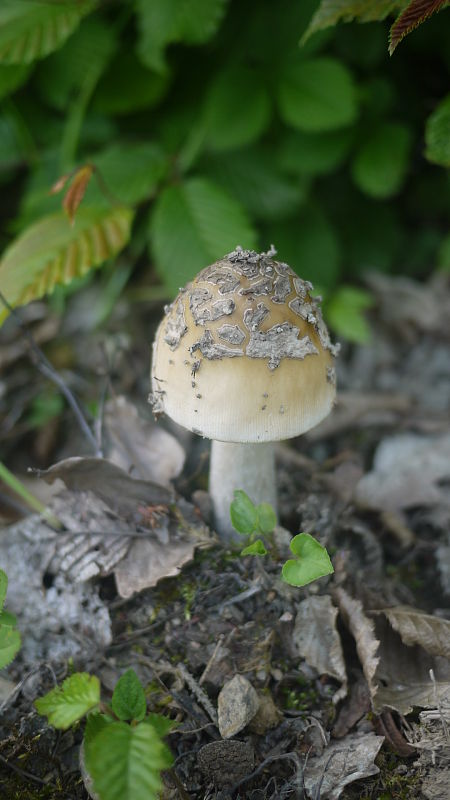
243, 357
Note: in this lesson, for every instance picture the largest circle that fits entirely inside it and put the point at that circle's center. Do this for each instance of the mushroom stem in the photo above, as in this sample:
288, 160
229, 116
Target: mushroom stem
250, 467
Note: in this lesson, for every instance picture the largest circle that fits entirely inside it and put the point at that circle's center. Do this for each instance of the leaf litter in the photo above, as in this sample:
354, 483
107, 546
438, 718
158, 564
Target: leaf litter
133, 580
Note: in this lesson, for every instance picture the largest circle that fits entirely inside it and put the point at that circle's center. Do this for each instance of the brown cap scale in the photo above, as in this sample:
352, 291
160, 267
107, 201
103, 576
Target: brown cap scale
243, 356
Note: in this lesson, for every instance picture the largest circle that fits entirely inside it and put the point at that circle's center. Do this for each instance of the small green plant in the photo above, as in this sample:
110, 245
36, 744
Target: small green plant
9, 636
312, 559
123, 746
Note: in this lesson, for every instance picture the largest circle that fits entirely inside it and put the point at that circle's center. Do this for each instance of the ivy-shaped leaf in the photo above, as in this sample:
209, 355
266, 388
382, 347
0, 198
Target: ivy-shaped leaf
125, 761
414, 14
312, 561
52, 251
31, 29
69, 702
192, 225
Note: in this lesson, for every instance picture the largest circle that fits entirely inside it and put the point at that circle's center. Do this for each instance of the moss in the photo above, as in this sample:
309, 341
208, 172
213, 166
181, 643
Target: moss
388, 784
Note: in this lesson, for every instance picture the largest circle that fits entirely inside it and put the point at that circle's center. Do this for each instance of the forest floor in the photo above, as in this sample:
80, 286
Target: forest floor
352, 673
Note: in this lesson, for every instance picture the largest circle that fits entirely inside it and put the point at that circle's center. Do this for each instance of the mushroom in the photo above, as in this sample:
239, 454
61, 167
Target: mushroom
243, 357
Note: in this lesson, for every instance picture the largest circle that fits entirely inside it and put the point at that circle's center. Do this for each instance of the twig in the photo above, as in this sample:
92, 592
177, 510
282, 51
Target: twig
198, 692
44, 366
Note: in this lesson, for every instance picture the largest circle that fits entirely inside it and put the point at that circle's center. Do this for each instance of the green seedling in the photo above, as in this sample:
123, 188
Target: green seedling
9, 636
312, 560
123, 745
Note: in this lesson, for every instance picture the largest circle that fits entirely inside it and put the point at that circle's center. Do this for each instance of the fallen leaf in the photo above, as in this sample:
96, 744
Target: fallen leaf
341, 763
408, 470
147, 561
416, 627
139, 446
317, 641
363, 631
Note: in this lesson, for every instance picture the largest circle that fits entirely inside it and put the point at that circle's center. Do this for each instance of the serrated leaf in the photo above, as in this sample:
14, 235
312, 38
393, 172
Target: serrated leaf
30, 29
317, 95
345, 313
314, 153
60, 77
256, 548
128, 700
3, 587
95, 723
162, 725
310, 244
69, 702
437, 134
416, 12
127, 86
11, 77
125, 762
163, 22
237, 109
331, 12
130, 171
243, 513
380, 166
9, 645
252, 177
193, 224
416, 627
77, 190
7, 619
52, 251
312, 561
267, 518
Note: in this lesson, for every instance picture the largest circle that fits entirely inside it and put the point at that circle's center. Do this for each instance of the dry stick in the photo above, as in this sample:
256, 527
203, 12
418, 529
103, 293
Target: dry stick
44, 366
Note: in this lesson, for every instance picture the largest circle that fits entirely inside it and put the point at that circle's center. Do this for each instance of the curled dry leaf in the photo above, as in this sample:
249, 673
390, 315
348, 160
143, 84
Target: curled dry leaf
341, 763
416, 627
317, 641
363, 631
138, 446
147, 561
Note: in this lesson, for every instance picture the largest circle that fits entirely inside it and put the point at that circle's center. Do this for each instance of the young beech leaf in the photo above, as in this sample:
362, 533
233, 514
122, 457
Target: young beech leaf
254, 549
9, 645
125, 761
128, 700
94, 724
243, 513
162, 725
312, 561
7, 620
69, 702
266, 518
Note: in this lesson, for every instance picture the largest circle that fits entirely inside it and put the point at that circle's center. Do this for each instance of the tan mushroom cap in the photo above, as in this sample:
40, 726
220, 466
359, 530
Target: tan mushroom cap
243, 354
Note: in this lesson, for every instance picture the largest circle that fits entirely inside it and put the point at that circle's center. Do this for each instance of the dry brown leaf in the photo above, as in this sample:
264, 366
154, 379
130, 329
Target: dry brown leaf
416, 627
363, 631
341, 763
317, 640
76, 191
147, 561
139, 446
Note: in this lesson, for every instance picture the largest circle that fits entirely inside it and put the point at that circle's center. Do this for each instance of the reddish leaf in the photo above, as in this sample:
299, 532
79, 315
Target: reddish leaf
413, 15
75, 193
60, 183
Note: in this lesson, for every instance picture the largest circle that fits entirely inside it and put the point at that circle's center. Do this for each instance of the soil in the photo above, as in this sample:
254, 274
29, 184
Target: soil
368, 484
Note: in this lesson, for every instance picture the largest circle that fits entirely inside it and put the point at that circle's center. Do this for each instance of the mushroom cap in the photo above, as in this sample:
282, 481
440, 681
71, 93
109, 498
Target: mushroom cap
243, 354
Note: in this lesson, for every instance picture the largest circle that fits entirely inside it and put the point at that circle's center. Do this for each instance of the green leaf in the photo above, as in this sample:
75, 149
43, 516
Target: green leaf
31, 29
237, 109
312, 561
61, 76
125, 762
130, 171
252, 177
9, 645
128, 700
52, 251
11, 77
314, 153
3, 587
256, 548
127, 86
345, 313
7, 619
193, 224
267, 518
163, 22
317, 95
444, 254
380, 166
69, 702
95, 723
243, 513
162, 725
437, 134
330, 12
309, 243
